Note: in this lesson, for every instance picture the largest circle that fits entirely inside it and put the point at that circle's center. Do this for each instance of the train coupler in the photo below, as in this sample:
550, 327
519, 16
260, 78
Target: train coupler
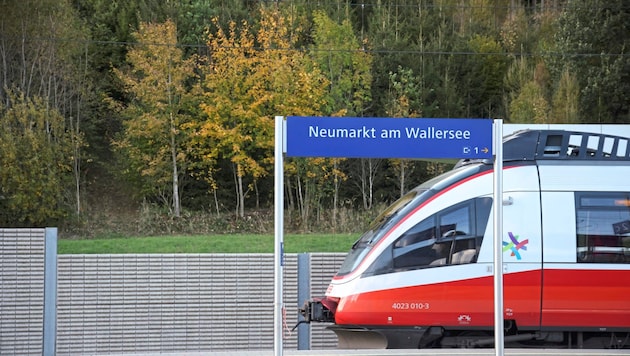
319, 309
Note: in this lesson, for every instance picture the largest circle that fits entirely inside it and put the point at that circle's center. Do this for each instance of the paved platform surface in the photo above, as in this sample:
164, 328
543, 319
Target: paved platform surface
437, 352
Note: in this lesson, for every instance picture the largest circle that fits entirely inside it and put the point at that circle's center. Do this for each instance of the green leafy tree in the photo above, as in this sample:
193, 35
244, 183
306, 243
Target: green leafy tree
423, 38
484, 73
394, 33
478, 16
342, 59
110, 26
28, 62
161, 99
403, 94
566, 100
193, 17
592, 41
347, 66
530, 106
525, 91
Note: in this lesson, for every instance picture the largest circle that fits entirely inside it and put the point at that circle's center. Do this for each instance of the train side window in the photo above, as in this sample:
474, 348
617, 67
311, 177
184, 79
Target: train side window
603, 227
452, 236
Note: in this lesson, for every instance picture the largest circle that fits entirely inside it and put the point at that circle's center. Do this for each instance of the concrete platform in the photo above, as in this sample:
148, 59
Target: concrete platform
437, 352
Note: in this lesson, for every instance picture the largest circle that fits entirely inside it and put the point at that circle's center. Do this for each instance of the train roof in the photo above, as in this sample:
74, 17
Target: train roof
537, 145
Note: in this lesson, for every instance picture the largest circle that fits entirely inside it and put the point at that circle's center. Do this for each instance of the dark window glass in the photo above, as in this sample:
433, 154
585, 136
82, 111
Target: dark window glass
603, 227
400, 210
452, 236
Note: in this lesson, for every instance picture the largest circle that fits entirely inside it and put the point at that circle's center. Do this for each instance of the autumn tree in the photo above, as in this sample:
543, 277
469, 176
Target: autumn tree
35, 162
46, 70
158, 82
252, 75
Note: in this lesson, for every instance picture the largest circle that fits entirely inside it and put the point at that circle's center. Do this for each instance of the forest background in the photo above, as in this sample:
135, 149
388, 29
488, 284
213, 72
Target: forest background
150, 117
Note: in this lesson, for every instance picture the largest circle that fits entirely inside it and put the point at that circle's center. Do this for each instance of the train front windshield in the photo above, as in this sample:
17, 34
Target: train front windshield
395, 212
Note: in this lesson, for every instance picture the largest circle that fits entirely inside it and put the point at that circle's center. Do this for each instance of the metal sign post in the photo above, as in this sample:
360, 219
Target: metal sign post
279, 234
498, 236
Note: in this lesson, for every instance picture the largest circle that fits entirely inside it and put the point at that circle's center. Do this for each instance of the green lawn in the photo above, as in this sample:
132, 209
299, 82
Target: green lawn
209, 244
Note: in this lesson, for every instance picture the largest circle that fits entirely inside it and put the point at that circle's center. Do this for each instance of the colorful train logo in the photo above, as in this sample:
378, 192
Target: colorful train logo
515, 245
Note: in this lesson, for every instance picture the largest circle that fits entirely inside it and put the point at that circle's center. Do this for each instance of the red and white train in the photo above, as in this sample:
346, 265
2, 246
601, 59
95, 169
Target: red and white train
422, 276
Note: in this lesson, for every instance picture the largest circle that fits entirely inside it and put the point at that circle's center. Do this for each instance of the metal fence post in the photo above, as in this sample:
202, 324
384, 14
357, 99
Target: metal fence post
50, 292
304, 293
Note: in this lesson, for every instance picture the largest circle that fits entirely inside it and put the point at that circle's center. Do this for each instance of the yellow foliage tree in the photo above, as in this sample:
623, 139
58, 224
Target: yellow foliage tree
157, 81
251, 77
35, 162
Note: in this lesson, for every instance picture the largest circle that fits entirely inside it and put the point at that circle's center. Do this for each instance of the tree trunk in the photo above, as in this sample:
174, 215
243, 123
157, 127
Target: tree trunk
241, 203
216, 201
289, 194
367, 172
240, 195
403, 165
75, 129
372, 167
300, 197
76, 161
364, 184
176, 204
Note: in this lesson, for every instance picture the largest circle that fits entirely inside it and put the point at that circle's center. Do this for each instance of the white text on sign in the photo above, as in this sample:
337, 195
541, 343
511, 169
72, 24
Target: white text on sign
370, 132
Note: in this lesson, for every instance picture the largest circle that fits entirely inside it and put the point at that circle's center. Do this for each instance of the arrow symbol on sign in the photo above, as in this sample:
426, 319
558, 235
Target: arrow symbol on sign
484, 150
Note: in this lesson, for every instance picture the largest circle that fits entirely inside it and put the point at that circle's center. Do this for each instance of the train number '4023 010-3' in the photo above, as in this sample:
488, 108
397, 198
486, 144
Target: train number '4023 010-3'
411, 306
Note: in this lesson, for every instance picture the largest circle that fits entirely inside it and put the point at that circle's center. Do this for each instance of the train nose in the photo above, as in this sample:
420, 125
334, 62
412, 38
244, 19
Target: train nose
319, 309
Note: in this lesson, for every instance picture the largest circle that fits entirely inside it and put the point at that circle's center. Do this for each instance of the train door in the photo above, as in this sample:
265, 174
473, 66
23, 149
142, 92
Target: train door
522, 258
587, 261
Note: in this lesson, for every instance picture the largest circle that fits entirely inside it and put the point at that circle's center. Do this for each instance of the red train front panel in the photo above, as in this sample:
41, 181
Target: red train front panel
457, 303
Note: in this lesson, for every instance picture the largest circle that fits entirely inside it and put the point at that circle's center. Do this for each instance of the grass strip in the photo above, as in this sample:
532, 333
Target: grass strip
208, 244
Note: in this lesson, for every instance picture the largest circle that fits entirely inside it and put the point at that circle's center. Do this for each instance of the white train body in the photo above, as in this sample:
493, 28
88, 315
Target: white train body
423, 275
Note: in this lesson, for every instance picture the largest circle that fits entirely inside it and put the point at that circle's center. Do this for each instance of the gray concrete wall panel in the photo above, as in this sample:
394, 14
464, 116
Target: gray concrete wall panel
137, 303
21, 291
177, 302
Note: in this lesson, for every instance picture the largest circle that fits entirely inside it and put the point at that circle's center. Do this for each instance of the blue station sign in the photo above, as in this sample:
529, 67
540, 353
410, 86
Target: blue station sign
354, 137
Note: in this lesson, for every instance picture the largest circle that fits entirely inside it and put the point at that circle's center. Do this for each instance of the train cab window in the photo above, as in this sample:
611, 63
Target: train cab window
452, 236
603, 227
